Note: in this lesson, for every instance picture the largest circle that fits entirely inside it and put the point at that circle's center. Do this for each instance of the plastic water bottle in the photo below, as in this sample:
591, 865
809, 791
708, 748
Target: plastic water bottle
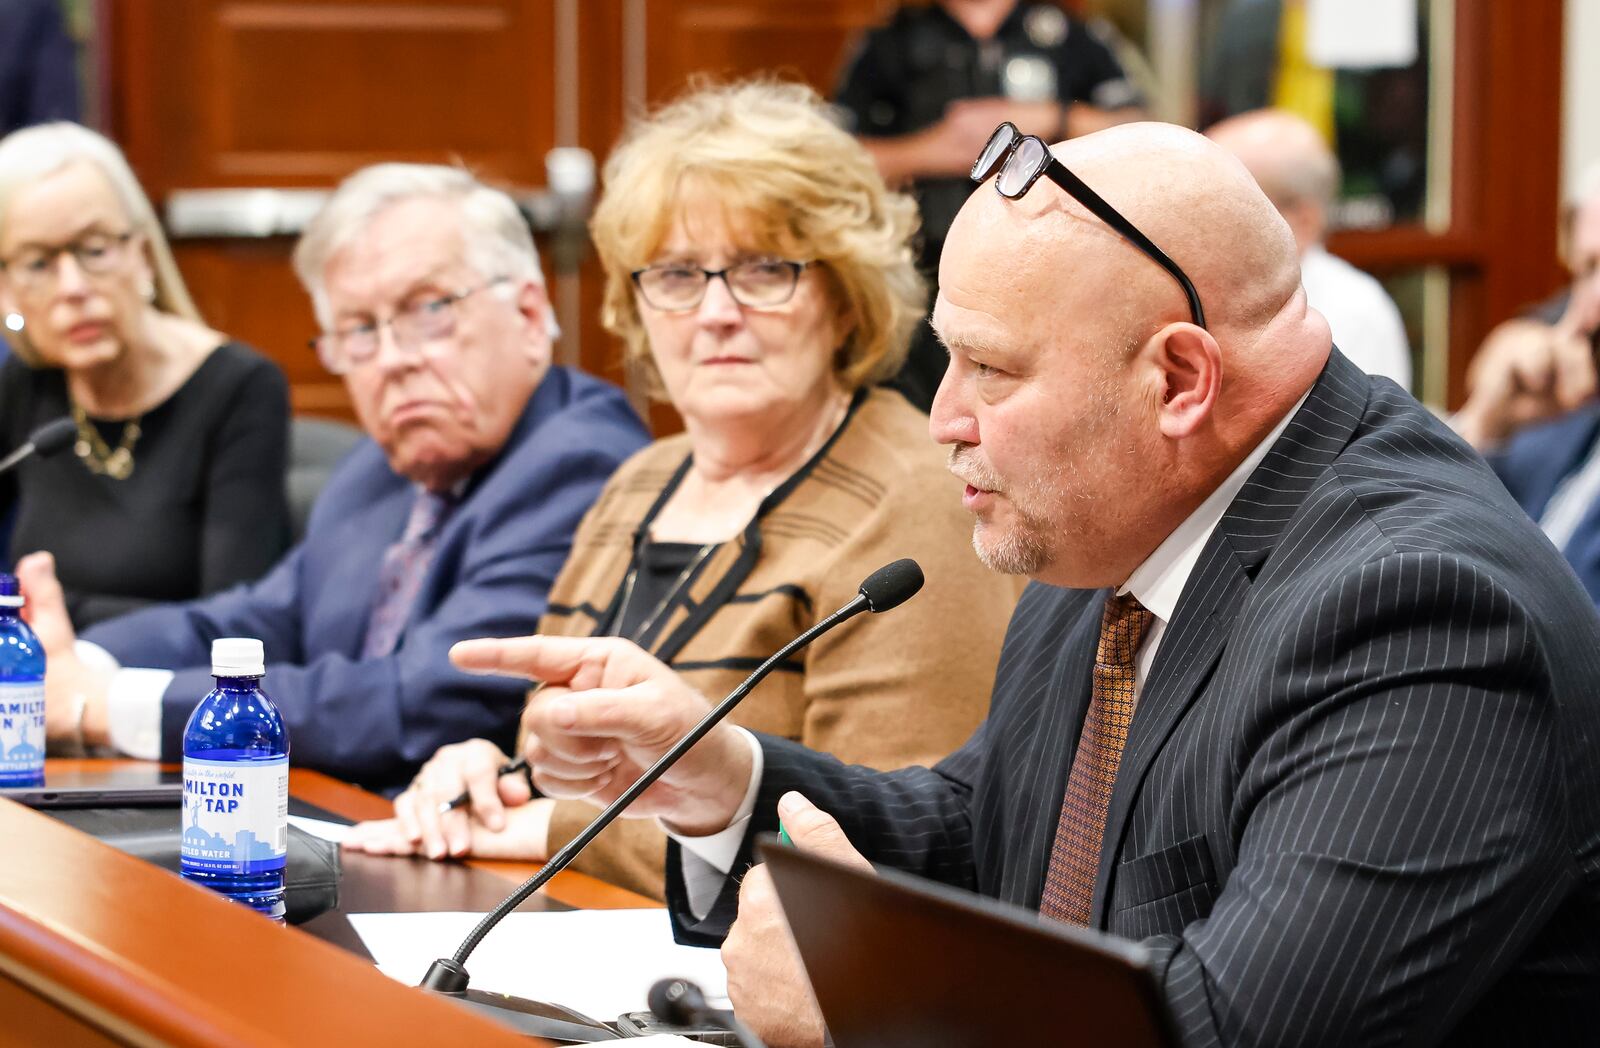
236, 783
22, 734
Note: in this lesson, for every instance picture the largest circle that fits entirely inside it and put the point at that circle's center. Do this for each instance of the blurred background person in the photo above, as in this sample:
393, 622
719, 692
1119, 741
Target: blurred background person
38, 65
450, 522
1532, 407
924, 92
1300, 175
760, 271
175, 488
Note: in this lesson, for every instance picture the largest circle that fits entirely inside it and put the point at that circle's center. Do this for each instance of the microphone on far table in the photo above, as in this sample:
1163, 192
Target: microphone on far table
682, 1003
45, 441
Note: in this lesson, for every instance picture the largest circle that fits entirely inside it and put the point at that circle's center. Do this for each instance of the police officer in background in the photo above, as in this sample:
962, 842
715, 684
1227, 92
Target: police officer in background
924, 92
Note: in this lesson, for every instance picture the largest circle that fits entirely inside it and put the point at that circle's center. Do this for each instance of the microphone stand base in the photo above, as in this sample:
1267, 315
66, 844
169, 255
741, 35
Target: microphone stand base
550, 1021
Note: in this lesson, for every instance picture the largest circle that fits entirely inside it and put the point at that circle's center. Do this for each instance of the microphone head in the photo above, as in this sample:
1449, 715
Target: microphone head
677, 1001
53, 437
892, 585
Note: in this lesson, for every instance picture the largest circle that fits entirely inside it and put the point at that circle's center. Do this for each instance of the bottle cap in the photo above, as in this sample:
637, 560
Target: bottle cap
238, 657
10, 591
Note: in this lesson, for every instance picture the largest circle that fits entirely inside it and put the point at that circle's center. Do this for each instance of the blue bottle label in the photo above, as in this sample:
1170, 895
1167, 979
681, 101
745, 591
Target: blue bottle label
236, 815
22, 735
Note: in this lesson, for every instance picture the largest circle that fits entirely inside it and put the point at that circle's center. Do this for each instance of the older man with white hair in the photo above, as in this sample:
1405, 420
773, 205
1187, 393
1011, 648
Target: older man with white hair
1300, 175
451, 522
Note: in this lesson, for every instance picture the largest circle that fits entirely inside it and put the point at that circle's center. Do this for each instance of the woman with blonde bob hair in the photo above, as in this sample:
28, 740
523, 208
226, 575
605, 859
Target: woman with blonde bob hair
175, 487
760, 273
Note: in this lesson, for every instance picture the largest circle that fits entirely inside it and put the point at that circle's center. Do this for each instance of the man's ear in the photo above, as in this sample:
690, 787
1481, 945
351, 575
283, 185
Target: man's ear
1190, 363
533, 302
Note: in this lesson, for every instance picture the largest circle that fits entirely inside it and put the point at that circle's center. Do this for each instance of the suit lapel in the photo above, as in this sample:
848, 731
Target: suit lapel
1203, 620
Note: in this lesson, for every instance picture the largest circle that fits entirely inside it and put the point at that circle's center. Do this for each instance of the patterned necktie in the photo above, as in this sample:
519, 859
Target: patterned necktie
404, 565
1075, 858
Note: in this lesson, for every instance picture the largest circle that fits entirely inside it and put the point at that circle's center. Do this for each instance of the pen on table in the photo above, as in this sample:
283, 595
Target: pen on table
520, 765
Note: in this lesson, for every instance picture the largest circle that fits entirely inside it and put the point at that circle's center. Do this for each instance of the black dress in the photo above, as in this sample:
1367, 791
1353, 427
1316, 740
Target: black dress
203, 509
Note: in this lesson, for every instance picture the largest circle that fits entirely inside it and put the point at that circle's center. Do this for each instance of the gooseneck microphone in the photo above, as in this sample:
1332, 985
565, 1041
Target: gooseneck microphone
45, 441
682, 1003
888, 587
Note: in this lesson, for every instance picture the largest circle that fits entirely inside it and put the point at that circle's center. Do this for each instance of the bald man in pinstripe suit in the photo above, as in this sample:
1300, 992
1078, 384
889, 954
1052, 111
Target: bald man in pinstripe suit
1353, 795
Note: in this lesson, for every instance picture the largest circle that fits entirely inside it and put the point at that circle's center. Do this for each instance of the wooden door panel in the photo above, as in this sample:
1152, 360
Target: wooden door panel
314, 91
298, 93
726, 38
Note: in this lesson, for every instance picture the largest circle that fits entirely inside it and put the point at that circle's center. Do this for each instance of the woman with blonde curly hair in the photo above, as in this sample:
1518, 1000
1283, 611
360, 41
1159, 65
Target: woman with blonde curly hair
760, 273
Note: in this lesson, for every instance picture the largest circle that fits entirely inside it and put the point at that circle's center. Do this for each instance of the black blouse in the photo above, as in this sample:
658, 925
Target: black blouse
204, 508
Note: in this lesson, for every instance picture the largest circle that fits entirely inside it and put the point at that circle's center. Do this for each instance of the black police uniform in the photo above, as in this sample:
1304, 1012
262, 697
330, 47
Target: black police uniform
906, 74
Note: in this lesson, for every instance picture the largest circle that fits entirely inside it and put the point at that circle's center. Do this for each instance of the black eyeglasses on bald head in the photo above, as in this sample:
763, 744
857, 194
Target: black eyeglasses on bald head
1021, 159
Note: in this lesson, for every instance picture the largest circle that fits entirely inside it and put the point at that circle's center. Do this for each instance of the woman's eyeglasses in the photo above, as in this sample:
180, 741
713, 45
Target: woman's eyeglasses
758, 283
96, 254
1021, 160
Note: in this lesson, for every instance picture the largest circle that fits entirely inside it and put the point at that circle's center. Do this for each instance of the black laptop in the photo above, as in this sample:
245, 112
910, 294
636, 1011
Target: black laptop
895, 960
88, 785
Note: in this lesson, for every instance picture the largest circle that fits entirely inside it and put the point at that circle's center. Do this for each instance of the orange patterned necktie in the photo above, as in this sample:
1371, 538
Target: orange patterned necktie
1075, 858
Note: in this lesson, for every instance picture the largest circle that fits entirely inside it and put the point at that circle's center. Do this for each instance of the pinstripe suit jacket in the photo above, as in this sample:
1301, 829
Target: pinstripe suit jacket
1360, 800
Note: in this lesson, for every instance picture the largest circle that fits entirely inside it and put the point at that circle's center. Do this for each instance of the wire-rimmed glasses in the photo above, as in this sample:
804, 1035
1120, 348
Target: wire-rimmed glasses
1018, 161
432, 319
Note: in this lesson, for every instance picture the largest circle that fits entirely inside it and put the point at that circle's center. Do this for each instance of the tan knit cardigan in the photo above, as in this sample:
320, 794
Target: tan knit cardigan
886, 691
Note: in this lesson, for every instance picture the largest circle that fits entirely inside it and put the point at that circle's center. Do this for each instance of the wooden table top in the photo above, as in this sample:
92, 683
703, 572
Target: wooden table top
90, 932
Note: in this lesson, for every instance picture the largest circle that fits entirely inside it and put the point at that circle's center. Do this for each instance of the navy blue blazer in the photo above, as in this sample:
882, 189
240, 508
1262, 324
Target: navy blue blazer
1535, 462
1360, 799
38, 67
375, 721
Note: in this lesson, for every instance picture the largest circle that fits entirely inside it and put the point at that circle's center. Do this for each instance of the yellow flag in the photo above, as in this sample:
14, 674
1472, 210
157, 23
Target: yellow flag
1301, 87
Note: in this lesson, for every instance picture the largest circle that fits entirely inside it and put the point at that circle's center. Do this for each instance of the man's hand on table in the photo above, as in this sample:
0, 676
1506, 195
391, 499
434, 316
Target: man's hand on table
608, 711
523, 836
766, 982
421, 828
68, 681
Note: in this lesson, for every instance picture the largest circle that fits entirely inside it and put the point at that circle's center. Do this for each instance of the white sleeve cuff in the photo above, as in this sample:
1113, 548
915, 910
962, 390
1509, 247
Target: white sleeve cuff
720, 849
94, 656
133, 703
707, 860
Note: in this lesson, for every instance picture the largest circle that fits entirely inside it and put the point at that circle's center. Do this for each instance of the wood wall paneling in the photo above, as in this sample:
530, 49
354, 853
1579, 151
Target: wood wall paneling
726, 38
1500, 249
299, 93
214, 93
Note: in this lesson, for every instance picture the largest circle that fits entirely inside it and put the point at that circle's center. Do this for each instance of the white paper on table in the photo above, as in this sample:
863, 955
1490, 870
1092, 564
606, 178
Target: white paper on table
328, 831
1361, 34
598, 962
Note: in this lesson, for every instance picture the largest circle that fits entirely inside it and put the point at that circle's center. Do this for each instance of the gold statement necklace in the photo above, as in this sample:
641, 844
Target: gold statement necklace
100, 457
